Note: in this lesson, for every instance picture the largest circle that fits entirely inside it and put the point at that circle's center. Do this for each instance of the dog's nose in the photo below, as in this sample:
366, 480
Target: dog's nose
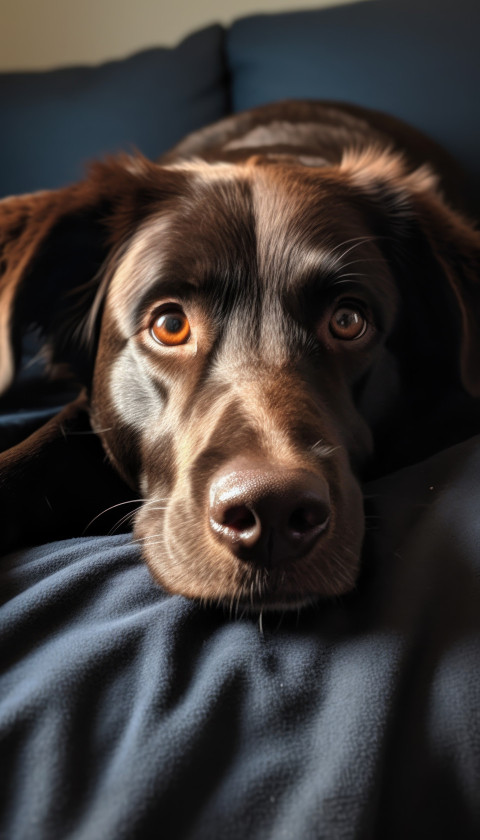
268, 514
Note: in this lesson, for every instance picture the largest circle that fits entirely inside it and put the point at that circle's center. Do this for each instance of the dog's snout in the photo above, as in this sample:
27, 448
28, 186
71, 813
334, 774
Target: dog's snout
268, 514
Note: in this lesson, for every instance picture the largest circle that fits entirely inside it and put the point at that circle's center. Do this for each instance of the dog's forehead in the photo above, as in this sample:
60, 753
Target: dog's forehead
258, 223
305, 224
278, 207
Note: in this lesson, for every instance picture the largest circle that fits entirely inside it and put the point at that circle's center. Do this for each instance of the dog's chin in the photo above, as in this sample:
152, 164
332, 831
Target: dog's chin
256, 590
285, 591
210, 575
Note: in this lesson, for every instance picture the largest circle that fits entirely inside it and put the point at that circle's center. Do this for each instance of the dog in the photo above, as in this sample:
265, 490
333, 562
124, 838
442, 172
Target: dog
285, 298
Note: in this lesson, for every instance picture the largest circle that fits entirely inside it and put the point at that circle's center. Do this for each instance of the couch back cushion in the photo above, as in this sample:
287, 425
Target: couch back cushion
415, 59
54, 122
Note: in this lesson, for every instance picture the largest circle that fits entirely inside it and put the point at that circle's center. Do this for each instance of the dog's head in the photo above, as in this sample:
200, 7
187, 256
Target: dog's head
245, 333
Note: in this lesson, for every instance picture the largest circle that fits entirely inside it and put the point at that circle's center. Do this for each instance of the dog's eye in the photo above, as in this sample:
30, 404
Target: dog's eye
348, 322
171, 327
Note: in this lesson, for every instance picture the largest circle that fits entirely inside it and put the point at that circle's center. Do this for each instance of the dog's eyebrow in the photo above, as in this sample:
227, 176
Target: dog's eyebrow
163, 287
324, 266
305, 293
314, 271
144, 273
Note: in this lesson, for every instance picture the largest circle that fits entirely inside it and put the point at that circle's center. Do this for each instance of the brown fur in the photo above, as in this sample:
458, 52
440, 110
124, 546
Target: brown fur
258, 227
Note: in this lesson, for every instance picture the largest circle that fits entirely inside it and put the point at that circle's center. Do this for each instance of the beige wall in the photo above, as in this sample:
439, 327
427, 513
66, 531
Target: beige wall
48, 33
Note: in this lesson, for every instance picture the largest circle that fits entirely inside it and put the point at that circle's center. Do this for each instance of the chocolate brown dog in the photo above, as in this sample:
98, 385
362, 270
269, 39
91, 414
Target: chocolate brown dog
282, 295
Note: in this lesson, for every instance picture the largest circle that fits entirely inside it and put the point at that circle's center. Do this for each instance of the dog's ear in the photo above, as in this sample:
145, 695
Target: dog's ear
55, 248
428, 239
455, 245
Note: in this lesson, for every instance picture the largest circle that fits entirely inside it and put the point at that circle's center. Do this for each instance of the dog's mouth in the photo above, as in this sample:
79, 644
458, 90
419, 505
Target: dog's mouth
252, 585
288, 586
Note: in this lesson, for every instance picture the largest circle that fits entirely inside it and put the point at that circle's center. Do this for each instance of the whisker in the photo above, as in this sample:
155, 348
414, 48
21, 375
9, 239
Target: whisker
370, 260
121, 521
153, 543
139, 502
340, 279
324, 450
357, 240
112, 507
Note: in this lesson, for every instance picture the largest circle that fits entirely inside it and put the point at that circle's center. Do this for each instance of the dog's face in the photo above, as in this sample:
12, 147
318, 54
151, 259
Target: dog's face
234, 330
242, 314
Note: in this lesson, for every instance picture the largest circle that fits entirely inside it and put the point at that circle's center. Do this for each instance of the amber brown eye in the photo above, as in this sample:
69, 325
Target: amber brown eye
171, 327
348, 322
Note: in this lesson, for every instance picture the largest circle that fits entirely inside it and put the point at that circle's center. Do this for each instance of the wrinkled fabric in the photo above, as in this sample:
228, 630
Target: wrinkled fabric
126, 712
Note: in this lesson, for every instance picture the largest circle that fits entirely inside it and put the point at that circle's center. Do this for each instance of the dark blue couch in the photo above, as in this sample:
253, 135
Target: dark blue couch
126, 713
413, 58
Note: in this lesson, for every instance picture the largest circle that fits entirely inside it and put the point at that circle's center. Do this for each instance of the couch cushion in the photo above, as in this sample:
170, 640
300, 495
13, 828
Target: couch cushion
54, 122
415, 59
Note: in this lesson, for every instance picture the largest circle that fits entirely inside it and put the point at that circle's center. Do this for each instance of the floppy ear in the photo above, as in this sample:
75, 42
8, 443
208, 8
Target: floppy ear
434, 241
55, 248
455, 244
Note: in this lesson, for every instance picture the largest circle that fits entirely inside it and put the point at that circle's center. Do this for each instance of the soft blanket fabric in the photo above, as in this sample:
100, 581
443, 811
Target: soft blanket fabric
128, 713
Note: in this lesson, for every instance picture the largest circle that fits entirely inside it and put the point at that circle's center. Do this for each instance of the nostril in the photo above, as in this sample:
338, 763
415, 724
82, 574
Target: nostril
239, 518
304, 520
238, 525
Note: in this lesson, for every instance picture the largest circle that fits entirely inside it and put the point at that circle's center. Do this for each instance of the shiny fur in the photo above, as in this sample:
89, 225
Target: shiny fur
258, 228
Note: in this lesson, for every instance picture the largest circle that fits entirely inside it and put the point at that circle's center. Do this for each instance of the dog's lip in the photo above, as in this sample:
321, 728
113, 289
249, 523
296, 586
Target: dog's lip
280, 599
284, 586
